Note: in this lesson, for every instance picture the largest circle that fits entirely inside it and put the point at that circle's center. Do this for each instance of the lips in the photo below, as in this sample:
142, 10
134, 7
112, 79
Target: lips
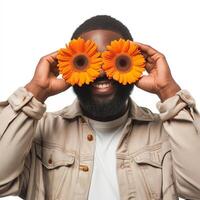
103, 87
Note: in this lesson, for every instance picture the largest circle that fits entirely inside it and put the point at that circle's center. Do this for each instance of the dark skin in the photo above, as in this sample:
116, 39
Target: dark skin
102, 38
158, 81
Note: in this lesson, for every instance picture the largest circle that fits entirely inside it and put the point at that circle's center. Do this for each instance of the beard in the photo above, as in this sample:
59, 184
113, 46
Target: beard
103, 108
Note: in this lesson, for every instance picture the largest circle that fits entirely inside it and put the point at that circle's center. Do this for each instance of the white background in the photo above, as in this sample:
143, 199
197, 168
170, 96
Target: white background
31, 29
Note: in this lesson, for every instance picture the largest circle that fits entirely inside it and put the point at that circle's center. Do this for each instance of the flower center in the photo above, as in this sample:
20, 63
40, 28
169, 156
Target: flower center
123, 63
80, 62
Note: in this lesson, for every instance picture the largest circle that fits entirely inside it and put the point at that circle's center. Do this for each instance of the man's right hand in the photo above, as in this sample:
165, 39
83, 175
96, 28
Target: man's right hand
45, 82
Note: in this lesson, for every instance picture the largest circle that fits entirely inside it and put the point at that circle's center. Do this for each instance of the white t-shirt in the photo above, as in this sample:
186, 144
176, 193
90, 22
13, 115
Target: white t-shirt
104, 184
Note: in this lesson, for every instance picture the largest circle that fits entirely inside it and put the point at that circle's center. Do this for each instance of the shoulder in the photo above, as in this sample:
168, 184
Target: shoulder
55, 123
140, 113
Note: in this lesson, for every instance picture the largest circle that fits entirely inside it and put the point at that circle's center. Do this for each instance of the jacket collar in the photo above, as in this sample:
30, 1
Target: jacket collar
135, 112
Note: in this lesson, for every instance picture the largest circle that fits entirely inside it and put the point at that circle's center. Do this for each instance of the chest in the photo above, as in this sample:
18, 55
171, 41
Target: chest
64, 167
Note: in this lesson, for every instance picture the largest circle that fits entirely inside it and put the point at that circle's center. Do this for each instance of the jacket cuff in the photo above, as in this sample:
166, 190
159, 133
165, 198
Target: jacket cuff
173, 105
24, 100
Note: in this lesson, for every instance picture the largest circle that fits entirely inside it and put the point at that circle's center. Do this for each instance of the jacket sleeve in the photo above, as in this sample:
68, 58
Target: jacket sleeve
19, 116
181, 121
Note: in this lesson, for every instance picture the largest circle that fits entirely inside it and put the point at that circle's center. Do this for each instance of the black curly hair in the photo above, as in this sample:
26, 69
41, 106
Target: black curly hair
105, 22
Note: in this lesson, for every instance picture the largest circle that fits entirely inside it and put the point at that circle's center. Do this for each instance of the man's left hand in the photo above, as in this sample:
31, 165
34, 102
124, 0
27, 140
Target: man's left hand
159, 79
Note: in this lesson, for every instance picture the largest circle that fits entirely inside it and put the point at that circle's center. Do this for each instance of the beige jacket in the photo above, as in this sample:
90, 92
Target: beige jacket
49, 156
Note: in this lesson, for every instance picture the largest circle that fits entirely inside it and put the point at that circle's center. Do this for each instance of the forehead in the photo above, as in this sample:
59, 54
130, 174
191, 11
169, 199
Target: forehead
101, 37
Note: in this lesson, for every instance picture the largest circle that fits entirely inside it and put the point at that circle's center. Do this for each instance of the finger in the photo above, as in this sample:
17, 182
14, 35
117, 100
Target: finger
53, 54
49, 60
52, 58
149, 67
54, 63
145, 55
147, 49
150, 60
147, 58
54, 70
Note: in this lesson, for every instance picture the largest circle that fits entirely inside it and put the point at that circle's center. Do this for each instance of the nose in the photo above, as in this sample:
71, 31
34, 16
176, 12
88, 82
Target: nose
102, 73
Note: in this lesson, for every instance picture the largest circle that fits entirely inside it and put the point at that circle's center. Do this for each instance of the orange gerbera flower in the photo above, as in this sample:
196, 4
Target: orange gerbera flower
123, 61
79, 62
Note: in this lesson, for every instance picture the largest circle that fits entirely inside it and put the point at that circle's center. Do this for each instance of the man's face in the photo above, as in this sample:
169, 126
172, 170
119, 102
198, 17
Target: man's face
104, 99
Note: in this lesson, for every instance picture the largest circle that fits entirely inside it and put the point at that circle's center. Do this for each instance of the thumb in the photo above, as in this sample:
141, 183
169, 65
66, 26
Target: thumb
59, 85
139, 83
144, 83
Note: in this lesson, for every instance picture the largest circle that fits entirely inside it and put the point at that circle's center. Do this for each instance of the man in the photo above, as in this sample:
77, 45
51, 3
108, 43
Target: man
103, 146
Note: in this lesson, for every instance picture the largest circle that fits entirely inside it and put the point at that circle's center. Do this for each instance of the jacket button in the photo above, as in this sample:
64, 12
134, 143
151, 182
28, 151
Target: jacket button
50, 161
84, 168
90, 137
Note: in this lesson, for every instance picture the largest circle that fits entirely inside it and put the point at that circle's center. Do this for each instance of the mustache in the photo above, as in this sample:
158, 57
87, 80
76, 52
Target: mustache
101, 78
106, 79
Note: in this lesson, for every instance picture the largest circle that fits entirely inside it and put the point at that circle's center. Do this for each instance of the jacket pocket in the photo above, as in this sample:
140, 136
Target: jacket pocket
149, 160
56, 166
